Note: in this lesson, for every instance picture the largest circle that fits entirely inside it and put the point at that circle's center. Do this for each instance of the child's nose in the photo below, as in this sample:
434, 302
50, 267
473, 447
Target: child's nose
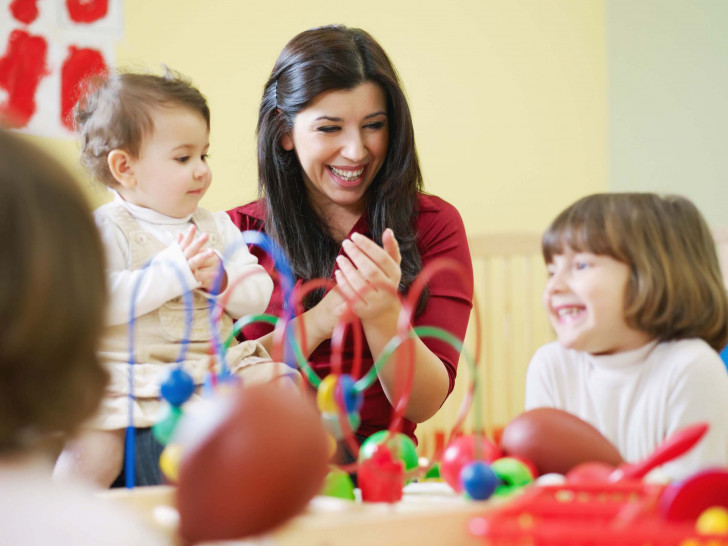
555, 282
202, 170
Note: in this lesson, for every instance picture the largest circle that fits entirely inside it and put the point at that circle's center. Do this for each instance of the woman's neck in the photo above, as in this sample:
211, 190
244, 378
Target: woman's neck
340, 219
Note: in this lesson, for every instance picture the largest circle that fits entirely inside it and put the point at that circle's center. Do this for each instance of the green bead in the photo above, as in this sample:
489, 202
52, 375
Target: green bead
164, 428
513, 475
338, 484
401, 445
434, 473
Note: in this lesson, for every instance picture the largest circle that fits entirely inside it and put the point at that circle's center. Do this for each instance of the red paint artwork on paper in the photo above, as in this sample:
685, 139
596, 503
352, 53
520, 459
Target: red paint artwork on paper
25, 11
21, 69
87, 11
79, 65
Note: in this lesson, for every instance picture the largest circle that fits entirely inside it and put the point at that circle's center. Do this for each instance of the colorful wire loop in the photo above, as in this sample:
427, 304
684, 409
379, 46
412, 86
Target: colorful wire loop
130, 447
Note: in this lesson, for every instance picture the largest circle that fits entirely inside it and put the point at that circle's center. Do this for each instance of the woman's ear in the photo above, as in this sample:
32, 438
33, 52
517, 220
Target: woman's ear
121, 166
287, 142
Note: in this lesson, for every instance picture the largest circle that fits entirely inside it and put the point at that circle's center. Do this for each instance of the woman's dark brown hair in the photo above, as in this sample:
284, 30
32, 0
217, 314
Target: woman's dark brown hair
675, 289
52, 298
327, 59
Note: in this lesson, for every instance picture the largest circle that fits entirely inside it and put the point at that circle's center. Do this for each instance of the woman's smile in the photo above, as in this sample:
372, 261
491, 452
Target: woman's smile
347, 176
341, 141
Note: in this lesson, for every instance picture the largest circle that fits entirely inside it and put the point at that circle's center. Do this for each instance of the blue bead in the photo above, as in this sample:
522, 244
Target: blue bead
479, 481
352, 398
178, 387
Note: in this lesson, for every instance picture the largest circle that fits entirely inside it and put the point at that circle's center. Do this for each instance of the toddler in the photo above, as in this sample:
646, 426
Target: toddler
146, 138
639, 308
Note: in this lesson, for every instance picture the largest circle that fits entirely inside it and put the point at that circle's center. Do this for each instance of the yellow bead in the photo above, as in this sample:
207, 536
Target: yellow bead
713, 521
325, 395
169, 462
333, 444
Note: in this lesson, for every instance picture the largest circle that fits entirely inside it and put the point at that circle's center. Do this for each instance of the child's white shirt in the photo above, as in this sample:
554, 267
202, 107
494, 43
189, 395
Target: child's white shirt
161, 283
637, 399
36, 510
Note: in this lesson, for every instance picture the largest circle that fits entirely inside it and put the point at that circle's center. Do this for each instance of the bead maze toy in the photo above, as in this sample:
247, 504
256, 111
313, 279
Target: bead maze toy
243, 495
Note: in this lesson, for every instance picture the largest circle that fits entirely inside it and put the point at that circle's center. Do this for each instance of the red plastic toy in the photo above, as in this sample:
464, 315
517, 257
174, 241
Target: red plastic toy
381, 476
598, 514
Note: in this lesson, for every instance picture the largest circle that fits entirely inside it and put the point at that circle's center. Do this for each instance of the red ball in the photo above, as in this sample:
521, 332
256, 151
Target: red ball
461, 452
556, 441
592, 472
260, 466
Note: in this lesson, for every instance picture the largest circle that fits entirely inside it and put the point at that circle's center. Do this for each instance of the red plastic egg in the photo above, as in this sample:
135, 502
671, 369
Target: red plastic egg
557, 441
260, 465
592, 472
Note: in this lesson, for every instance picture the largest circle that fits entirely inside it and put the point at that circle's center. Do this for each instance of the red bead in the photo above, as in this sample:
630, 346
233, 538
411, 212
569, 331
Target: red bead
461, 452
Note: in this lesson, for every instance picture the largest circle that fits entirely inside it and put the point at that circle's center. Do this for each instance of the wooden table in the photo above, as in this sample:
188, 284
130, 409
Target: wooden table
430, 513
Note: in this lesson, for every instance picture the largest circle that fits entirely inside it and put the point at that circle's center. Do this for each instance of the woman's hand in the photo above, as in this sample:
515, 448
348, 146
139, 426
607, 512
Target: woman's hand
370, 274
321, 319
370, 278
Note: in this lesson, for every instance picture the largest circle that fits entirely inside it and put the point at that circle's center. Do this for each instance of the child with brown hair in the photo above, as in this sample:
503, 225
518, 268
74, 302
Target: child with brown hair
52, 300
146, 138
639, 308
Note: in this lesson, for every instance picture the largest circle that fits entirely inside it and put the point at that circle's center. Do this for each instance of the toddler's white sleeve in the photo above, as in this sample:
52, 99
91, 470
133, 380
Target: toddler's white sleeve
157, 284
249, 287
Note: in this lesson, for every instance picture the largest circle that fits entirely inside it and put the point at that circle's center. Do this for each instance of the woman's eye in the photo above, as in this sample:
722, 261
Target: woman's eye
375, 125
328, 129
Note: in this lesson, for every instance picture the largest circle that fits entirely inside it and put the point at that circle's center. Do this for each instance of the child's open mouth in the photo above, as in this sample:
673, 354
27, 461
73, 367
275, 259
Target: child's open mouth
570, 313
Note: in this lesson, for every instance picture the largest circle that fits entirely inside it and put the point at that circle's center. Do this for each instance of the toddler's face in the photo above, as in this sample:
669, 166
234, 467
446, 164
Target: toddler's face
584, 299
171, 173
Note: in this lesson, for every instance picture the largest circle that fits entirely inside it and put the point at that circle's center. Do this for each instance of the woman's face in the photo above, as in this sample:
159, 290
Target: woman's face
341, 142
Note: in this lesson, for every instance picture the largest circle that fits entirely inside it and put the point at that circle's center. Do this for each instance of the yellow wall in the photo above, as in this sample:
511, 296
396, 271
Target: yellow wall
508, 97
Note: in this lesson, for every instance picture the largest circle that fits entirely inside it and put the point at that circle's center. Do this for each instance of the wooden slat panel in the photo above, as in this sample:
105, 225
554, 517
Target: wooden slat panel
509, 277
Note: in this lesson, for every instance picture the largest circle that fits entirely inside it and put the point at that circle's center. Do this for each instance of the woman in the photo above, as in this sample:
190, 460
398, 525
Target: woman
342, 195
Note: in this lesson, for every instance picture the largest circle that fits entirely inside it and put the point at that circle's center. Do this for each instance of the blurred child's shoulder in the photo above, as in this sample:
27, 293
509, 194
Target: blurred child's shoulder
686, 352
689, 360
553, 352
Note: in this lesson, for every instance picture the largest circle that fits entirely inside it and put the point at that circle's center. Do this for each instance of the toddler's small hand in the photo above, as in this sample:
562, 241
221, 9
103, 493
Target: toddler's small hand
204, 262
190, 244
206, 266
